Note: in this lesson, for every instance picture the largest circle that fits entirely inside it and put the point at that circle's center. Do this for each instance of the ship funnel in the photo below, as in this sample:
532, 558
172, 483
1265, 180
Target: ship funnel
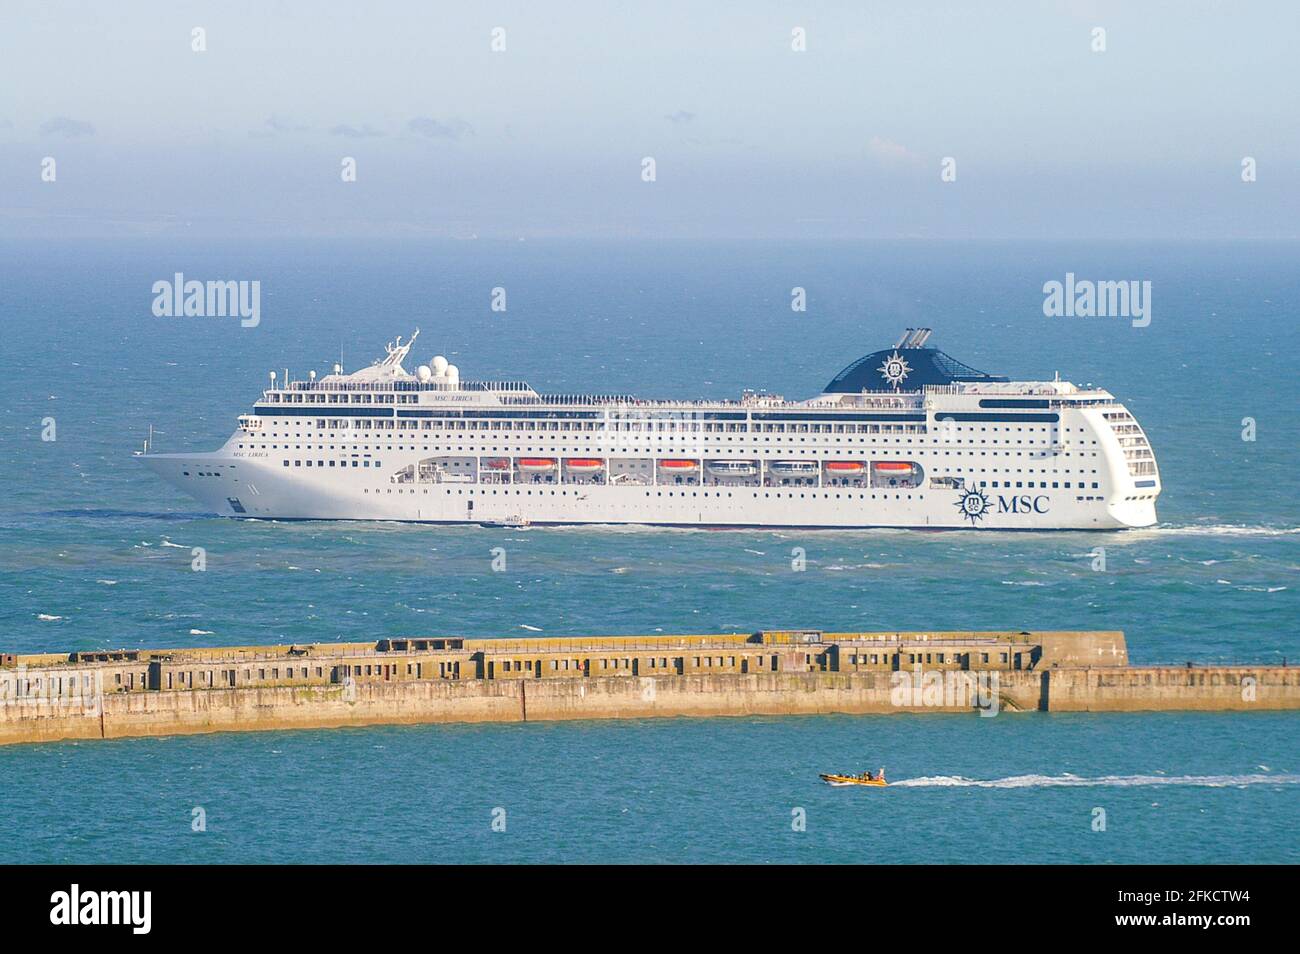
913, 338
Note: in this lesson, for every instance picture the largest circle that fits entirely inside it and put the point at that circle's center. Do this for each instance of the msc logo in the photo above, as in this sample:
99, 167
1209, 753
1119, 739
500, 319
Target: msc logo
895, 369
1023, 503
975, 504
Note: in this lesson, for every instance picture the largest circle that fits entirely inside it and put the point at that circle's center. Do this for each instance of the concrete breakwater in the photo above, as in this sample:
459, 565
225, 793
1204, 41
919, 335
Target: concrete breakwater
85, 695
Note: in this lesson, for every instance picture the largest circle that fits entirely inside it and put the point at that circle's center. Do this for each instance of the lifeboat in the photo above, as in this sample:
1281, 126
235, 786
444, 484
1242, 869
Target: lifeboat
793, 468
584, 465
897, 467
496, 463
845, 468
536, 464
854, 780
732, 468
679, 466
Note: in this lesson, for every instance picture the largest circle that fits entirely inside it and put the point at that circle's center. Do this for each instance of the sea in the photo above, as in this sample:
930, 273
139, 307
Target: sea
95, 552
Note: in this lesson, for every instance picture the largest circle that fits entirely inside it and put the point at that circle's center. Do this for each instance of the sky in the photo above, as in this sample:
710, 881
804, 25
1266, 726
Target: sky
750, 138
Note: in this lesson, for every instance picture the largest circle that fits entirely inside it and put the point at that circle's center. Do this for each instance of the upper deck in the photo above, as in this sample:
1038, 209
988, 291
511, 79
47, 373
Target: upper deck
910, 378
518, 394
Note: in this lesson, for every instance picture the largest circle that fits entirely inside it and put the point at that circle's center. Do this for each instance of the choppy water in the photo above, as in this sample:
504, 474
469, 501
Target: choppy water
94, 552
1177, 788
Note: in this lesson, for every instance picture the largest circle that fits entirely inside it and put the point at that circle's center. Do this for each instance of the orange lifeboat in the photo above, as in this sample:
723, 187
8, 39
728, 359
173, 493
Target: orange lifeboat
892, 467
679, 466
536, 464
584, 465
845, 468
496, 463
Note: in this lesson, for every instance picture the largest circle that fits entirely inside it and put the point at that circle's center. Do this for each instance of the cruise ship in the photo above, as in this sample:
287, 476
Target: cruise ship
904, 437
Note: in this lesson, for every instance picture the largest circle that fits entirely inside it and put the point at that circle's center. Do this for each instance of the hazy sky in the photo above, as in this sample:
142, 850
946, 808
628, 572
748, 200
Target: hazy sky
750, 138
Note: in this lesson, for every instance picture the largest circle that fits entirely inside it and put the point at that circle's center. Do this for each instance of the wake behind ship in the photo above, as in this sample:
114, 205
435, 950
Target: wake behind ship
904, 437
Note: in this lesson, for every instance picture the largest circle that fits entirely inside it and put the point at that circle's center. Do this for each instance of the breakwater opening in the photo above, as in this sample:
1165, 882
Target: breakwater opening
110, 694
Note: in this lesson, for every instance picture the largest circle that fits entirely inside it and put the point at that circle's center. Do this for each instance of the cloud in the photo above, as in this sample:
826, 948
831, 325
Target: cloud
63, 126
366, 131
436, 129
276, 124
680, 117
887, 149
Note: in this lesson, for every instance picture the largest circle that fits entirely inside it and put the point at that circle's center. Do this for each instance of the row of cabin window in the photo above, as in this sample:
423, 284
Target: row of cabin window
342, 463
360, 398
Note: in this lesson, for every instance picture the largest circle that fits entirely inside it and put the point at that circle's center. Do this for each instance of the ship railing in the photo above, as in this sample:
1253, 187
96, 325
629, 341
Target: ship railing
585, 400
887, 400
412, 385
621, 400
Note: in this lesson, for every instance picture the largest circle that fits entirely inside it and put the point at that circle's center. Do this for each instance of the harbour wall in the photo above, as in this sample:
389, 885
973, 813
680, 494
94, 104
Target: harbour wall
94, 696
1139, 688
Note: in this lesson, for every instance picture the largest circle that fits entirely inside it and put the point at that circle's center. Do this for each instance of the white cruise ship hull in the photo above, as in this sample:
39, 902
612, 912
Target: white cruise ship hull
263, 492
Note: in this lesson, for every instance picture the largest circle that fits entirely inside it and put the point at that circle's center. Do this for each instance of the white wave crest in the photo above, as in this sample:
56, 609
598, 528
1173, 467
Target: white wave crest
1112, 781
1221, 530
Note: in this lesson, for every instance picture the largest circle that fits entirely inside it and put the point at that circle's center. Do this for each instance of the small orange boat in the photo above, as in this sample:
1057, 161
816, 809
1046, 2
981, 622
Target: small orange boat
866, 778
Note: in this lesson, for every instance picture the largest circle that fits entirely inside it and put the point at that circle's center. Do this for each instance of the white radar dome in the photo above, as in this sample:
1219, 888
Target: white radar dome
423, 372
453, 373
439, 365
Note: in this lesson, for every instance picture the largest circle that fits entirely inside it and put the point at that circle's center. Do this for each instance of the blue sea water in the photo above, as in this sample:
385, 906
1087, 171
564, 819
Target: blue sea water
95, 552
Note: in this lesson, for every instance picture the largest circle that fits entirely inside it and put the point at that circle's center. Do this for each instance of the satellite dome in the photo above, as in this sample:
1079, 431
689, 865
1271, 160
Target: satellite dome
423, 372
439, 365
453, 373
